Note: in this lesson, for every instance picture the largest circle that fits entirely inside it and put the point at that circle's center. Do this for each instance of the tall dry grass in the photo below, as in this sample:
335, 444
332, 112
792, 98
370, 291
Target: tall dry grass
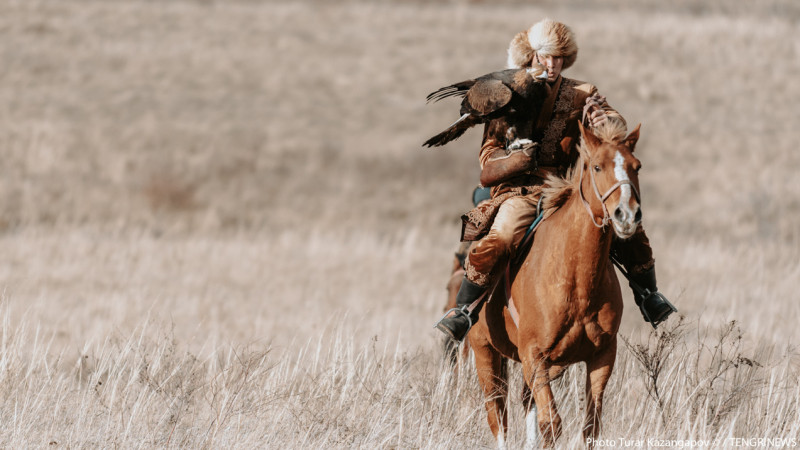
145, 389
219, 229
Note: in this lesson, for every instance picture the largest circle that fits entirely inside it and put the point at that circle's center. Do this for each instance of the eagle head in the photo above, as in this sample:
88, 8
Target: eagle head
531, 81
537, 72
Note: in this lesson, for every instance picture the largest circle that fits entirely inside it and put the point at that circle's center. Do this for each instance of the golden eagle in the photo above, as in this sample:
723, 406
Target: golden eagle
513, 94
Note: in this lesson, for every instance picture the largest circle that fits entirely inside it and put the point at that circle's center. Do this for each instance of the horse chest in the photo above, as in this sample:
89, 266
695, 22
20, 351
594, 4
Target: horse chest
572, 332
579, 343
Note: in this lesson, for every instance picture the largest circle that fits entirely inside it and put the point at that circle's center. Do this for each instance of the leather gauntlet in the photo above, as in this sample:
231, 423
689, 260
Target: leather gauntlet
504, 165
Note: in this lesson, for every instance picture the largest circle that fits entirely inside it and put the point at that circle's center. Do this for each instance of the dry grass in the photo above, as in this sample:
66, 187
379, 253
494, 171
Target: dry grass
146, 389
219, 228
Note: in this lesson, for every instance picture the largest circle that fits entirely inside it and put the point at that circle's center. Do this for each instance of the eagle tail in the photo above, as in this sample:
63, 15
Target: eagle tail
454, 90
452, 132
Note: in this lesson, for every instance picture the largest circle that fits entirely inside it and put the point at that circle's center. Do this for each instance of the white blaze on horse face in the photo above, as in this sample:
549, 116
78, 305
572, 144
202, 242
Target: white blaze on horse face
625, 188
624, 218
622, 175
532, 428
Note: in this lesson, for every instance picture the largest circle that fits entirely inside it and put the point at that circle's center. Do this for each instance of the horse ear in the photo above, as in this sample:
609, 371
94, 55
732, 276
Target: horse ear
589, 138
630, 141
566, 144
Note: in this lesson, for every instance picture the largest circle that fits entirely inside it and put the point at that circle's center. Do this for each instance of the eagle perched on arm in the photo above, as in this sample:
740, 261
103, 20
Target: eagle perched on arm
513, 94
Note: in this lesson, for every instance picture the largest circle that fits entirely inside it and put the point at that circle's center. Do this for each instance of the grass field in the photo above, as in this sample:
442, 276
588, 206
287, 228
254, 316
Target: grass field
219, 228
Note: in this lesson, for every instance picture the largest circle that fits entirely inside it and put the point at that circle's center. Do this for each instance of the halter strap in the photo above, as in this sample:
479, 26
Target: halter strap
602, 198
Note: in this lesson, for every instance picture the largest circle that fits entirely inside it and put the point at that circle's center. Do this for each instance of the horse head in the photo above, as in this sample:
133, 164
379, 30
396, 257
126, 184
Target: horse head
607, 156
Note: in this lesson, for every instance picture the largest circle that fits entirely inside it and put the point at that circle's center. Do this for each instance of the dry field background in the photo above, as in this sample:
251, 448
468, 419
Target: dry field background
219, 228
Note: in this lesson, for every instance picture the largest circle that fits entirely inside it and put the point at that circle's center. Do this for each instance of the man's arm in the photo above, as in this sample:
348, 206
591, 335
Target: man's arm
597, 110
497, 163
502, 167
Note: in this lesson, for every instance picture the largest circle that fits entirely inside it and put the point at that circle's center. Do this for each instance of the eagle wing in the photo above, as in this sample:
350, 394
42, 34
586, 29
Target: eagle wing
486, 97
454, 90
454, 131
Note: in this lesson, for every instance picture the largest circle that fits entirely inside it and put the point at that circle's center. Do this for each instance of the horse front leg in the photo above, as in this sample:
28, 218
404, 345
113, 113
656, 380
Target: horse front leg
598, 372
491, 368
537, 378
531, 421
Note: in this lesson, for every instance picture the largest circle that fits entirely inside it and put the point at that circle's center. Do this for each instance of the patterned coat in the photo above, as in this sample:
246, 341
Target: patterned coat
557, 120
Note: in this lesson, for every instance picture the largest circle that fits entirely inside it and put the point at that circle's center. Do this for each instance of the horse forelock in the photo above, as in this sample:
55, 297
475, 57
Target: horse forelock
610, 131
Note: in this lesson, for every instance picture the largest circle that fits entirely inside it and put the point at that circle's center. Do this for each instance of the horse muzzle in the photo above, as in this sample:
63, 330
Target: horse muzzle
626, 220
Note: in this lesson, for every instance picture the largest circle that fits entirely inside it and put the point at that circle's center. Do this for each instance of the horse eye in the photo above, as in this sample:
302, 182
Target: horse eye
597, 168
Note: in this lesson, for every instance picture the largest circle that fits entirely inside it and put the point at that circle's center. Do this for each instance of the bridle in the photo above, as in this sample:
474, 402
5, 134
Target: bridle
602, 198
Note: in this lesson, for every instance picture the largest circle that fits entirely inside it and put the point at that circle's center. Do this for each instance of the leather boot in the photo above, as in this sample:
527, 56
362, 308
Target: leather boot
654, 306
457, 322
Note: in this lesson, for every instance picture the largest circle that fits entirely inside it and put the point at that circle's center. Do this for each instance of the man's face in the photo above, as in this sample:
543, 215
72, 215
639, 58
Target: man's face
553, 64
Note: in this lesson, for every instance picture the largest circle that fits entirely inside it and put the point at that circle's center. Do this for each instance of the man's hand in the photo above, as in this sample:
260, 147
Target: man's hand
593, 111
529, 148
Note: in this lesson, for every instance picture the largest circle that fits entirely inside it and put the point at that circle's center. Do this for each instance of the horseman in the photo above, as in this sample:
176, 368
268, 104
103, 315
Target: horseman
515, 178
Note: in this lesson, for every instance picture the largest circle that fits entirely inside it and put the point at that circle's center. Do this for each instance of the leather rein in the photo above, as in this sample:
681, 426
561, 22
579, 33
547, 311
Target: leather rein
602, 198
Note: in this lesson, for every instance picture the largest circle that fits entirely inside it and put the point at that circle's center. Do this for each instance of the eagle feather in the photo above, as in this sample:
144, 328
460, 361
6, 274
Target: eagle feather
513, 94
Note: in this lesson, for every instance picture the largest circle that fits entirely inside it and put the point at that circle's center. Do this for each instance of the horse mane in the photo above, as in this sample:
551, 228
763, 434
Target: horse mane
557, 190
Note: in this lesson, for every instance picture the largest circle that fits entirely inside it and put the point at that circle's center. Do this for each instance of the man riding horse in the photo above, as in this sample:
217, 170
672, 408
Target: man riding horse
516, 177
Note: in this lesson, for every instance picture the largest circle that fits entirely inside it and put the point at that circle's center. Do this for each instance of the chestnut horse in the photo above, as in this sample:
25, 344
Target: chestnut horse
566, 291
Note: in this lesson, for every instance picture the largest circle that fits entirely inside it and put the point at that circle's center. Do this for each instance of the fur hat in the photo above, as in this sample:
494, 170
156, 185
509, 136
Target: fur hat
547, 38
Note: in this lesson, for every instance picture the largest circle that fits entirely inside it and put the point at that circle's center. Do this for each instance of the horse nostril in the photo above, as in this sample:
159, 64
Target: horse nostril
638, 217
619, 214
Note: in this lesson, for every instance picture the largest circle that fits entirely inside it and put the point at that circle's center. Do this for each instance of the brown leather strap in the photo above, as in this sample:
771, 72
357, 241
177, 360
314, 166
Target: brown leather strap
478, 301
602, 197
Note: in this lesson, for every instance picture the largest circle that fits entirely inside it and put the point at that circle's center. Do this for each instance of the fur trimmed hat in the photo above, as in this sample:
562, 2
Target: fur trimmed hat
547, 38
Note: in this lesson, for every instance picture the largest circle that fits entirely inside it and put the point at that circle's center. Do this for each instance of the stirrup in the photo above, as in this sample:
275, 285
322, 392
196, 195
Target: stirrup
662, 301
459, 310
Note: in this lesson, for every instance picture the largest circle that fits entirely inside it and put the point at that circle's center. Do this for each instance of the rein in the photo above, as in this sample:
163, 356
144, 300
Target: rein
602, 198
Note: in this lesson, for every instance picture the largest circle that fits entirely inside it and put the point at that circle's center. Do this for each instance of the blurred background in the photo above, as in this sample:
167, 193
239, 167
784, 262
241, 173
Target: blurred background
248, 171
